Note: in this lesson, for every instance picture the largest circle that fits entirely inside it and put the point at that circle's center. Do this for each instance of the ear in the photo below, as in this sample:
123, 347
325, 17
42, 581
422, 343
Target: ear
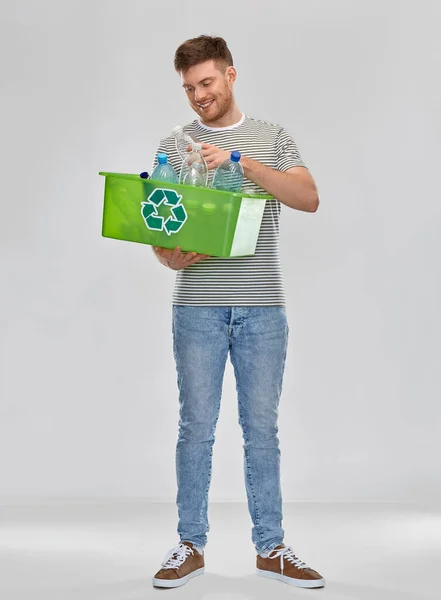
231, 74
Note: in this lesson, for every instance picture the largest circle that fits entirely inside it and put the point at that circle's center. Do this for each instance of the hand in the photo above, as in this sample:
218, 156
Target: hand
214, 156
175, 259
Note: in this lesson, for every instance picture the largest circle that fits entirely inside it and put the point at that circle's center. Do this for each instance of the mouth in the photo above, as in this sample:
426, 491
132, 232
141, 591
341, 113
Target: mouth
206, 105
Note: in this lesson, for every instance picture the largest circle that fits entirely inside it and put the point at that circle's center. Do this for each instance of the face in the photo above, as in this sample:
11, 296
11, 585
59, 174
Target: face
209, 90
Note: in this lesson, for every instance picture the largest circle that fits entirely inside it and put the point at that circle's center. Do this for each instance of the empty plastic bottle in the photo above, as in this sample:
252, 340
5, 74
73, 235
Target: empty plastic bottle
182, 140
229, 175
194, 169
163, 170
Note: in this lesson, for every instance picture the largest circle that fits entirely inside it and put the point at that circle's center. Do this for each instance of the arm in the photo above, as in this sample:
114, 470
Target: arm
294, 188
290, 182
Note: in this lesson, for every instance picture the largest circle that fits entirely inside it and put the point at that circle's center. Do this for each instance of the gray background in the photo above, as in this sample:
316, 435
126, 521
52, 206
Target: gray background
88, 385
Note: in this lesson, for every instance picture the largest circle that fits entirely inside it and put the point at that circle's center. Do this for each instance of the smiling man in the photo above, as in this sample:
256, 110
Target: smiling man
232, 306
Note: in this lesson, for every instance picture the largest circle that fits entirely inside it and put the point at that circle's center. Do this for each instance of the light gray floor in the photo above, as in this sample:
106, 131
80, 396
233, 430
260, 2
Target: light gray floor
110, 550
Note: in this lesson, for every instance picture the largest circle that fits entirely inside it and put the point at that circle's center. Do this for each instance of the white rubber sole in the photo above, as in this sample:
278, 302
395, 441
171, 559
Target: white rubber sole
303, 583
171, 583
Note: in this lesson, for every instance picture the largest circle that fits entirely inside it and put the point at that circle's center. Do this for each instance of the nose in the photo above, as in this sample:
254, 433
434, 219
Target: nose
199, 95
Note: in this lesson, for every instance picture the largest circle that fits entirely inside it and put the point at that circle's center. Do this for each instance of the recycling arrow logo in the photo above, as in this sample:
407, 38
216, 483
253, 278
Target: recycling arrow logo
154, 221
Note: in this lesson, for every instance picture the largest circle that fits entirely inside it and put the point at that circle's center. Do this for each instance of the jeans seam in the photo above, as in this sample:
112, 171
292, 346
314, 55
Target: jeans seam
256, 508
204, 505
205, 502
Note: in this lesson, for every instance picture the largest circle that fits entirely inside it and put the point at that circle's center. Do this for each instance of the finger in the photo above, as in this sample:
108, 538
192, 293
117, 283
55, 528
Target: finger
193, 262
200, 257
210, 150
185, 255
195, 258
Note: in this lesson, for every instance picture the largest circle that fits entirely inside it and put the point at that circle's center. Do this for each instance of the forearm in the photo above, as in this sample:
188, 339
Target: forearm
296, 190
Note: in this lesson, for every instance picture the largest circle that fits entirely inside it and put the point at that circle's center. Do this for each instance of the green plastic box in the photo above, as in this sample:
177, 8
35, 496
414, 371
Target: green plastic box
197, 219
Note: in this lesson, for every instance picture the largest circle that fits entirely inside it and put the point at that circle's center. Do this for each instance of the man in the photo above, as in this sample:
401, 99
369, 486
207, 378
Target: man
237, 306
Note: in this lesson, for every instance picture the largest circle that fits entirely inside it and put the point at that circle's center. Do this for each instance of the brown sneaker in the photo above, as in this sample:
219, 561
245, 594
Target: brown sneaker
181, 564
288, 569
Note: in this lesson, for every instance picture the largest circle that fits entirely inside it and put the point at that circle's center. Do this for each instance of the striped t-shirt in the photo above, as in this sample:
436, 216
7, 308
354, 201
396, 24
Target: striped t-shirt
239, 281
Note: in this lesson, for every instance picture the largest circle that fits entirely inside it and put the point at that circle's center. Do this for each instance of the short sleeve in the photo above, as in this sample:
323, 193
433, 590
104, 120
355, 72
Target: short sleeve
161, 148
287, 153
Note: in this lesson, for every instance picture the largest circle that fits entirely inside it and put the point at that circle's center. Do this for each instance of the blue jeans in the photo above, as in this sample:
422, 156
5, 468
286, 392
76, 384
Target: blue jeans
256, 338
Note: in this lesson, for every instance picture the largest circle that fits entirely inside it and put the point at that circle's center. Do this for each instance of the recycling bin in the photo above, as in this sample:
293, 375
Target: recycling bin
197, 219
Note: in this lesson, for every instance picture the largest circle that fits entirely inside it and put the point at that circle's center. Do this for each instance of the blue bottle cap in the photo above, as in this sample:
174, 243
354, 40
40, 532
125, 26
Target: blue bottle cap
162, 158
235, 156
144, 175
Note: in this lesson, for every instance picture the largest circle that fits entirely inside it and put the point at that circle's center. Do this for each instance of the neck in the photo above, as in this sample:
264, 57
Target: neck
232, 117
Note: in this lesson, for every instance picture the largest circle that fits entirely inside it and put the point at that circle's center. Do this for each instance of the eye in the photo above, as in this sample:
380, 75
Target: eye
206, 84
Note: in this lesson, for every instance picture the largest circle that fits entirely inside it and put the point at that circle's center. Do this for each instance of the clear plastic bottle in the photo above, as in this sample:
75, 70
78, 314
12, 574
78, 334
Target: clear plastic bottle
229, 175
194, 169
183, 140
163, 170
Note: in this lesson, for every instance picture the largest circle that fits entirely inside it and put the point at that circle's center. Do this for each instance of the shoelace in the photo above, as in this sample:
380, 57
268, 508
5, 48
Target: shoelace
287, 553
175, 557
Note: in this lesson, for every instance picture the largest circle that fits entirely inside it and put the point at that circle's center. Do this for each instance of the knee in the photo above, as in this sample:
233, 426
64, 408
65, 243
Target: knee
261, 437
196, 431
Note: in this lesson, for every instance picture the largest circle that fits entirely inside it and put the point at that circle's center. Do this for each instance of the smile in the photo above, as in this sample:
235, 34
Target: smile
206, 105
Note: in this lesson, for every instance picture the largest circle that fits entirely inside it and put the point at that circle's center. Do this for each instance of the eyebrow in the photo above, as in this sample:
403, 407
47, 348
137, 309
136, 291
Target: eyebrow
202, 81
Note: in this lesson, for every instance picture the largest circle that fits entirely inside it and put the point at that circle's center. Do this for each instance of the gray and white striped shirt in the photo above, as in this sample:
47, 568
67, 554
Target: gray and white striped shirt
239, 281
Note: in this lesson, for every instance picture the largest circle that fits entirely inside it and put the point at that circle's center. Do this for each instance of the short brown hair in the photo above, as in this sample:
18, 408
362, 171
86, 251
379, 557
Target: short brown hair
202, 48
